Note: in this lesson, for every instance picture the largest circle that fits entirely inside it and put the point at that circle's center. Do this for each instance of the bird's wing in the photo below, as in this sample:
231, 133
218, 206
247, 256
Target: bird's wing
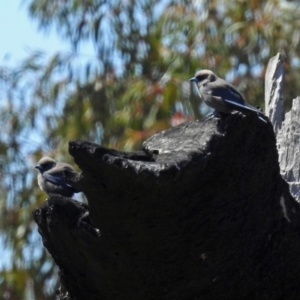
245, 106
230, 95
223, 89
56, 176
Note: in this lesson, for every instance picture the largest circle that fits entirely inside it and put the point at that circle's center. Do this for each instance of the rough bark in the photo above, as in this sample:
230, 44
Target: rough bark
287, 131
288, 143
201, 213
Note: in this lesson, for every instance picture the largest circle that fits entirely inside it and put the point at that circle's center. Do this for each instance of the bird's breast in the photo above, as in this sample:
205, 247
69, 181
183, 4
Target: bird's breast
41, 182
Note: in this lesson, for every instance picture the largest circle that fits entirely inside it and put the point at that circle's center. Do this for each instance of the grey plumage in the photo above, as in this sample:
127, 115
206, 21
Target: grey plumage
51, 177
221, 95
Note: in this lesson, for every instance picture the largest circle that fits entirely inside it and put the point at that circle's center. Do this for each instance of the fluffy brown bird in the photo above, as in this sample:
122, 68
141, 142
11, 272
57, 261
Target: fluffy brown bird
51, 177
221, 95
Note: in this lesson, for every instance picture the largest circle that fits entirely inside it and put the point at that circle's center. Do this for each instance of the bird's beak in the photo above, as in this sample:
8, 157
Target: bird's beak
39, 167
194, 79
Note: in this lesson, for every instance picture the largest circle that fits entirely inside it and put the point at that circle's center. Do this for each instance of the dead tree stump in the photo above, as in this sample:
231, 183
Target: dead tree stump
201, 212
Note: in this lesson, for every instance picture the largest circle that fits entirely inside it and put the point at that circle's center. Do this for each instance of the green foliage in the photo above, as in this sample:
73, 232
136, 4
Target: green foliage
134, 85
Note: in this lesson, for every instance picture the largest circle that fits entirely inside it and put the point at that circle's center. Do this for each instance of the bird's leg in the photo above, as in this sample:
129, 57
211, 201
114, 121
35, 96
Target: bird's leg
209, 116
212, 115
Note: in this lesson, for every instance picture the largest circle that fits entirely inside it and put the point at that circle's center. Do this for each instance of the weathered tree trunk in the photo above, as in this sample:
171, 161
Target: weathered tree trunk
274, 80
201, 213
288, 143
204, 214
287, 129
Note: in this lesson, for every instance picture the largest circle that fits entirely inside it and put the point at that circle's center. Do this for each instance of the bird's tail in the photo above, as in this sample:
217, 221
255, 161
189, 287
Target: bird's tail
248, 108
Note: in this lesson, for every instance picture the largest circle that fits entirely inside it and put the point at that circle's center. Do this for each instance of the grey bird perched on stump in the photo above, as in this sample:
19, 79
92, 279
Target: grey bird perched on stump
221, 95
51, 177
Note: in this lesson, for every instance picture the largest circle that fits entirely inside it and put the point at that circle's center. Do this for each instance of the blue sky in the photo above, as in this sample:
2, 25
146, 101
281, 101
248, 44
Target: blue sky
19, 34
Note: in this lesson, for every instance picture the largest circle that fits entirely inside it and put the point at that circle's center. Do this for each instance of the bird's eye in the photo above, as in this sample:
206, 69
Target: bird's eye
201, 77
47, 165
